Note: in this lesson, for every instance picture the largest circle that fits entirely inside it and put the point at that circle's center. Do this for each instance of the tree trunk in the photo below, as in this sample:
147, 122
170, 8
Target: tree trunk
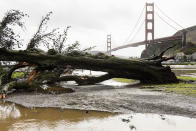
147, 71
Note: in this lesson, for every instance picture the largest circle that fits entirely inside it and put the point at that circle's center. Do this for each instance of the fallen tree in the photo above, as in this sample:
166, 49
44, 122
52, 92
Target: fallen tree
147, 71
49, 68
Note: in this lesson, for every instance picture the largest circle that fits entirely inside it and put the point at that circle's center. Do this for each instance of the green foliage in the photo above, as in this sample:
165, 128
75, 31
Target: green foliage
2, 73
73, 47
76, 53
59, 42
35, 51
52, 52
74, 50
189, 48
7, 86
41, 36
123, 80
100, 56
89, 49
18, 75
8, 38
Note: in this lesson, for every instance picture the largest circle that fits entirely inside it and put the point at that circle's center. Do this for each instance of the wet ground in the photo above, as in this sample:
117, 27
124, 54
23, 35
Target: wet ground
120, 99
110, 96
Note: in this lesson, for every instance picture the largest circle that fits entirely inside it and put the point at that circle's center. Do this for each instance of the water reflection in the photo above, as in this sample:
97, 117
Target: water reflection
14, 117
9, 111
17, 118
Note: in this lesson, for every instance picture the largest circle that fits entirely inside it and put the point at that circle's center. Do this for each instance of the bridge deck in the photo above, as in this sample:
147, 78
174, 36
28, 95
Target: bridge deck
164, 39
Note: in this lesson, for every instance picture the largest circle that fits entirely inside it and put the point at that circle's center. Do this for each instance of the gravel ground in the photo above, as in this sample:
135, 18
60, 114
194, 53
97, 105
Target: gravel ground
120, 99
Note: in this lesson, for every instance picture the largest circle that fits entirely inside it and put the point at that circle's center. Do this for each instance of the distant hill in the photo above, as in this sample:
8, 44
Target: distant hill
191, 34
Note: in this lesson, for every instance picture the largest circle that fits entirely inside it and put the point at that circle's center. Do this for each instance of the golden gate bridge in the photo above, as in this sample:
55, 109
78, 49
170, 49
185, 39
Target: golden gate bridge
149, 30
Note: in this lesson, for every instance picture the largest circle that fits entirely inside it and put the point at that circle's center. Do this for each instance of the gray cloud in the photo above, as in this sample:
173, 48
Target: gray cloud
91, 20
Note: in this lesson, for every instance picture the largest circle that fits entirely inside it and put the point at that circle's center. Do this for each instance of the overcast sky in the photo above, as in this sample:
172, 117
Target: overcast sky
92, 20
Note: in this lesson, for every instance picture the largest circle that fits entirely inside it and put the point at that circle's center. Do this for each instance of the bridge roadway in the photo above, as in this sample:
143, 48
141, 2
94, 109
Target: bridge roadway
158, 40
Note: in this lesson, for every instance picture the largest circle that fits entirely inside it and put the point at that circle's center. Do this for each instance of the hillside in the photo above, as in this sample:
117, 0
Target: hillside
189, 48
157, 48
190, 34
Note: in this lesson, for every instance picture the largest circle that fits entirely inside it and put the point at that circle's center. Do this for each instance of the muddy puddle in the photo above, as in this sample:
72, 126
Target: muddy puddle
17, 118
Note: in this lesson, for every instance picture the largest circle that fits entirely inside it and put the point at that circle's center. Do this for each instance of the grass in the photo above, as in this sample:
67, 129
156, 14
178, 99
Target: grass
187, 78
191, 91
123, 80
17, 75
178, 88
177, 85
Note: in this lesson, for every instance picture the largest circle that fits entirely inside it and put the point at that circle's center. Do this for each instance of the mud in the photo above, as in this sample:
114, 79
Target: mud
118, 99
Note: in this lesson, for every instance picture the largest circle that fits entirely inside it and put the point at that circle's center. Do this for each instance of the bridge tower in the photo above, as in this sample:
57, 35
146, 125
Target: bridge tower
149, 23
109, 44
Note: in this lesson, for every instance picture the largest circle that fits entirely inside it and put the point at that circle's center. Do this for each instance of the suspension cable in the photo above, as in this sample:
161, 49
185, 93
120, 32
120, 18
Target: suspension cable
166, 21
136, 25
168, 17
137, 31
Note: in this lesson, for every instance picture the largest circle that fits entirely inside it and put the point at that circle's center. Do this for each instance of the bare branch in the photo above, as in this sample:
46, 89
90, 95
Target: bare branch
160, 56
40, 35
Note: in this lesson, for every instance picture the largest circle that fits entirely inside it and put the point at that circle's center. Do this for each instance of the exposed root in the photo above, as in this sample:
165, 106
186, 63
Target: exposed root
32, 75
